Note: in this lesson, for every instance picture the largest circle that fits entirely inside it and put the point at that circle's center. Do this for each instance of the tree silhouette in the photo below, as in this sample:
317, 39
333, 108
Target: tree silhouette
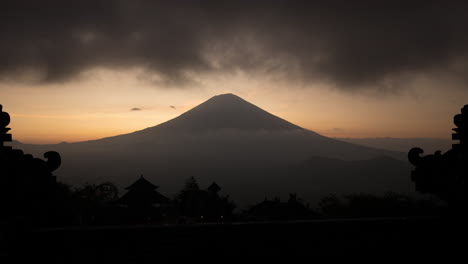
204, 205
293, 209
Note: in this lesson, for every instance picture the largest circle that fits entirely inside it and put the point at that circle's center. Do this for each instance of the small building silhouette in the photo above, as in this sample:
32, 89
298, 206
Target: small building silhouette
143, 201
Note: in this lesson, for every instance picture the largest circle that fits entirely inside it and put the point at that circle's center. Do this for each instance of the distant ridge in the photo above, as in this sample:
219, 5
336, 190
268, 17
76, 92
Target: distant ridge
430, 145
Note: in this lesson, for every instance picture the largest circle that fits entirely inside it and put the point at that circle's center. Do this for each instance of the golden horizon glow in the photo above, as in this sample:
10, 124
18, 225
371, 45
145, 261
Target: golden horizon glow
100, 106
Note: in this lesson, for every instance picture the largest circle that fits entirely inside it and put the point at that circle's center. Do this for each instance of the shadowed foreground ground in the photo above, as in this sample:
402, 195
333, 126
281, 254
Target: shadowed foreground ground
379, 239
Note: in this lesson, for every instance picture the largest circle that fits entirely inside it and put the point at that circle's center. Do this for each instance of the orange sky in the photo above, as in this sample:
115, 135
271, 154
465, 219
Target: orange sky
99, 106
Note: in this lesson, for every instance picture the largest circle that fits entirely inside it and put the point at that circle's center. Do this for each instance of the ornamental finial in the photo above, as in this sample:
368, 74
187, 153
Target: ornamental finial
4, 121
461, 131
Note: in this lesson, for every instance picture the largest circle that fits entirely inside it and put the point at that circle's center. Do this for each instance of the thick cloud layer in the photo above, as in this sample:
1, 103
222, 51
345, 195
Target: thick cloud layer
347, 43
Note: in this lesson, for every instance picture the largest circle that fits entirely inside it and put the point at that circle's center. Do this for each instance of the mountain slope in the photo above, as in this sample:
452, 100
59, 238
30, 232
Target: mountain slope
230, 124
227, 111
224, 139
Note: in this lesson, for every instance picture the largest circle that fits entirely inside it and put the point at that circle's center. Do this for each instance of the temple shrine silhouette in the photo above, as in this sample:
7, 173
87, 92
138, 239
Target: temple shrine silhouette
29, 185
144, 201
445, 175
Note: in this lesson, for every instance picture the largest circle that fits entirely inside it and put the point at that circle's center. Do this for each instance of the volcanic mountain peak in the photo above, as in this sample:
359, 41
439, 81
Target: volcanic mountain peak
228, 111
227, 98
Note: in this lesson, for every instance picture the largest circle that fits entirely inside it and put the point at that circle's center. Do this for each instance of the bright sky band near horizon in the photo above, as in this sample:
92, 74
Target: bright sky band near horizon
78, 111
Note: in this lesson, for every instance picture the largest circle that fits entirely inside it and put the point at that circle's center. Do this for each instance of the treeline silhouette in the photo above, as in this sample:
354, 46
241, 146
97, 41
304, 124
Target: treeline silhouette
101, 205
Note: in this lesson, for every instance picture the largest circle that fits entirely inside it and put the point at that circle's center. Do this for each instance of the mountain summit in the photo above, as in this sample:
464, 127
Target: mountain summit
227, 111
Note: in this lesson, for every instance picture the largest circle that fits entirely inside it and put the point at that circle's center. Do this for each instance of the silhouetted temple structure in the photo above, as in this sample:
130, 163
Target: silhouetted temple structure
445, 175
28, 192
4, 121
143, 200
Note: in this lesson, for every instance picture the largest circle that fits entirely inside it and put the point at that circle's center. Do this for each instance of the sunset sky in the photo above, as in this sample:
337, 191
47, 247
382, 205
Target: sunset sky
92, 69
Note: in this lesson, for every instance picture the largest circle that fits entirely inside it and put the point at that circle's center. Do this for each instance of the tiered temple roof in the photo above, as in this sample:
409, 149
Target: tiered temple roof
142, 193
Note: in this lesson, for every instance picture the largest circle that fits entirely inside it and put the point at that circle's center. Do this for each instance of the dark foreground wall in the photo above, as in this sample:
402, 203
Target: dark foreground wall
377, 239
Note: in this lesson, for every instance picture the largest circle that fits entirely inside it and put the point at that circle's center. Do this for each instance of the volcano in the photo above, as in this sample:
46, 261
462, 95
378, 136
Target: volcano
227, 111
248, 151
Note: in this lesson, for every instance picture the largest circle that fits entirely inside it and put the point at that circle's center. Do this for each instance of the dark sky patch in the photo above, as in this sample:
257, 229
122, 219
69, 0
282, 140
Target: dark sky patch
350, 44
135, 109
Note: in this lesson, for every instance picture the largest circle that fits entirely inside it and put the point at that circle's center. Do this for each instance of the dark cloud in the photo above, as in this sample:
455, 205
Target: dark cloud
348, 43
173, 107
135, 109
